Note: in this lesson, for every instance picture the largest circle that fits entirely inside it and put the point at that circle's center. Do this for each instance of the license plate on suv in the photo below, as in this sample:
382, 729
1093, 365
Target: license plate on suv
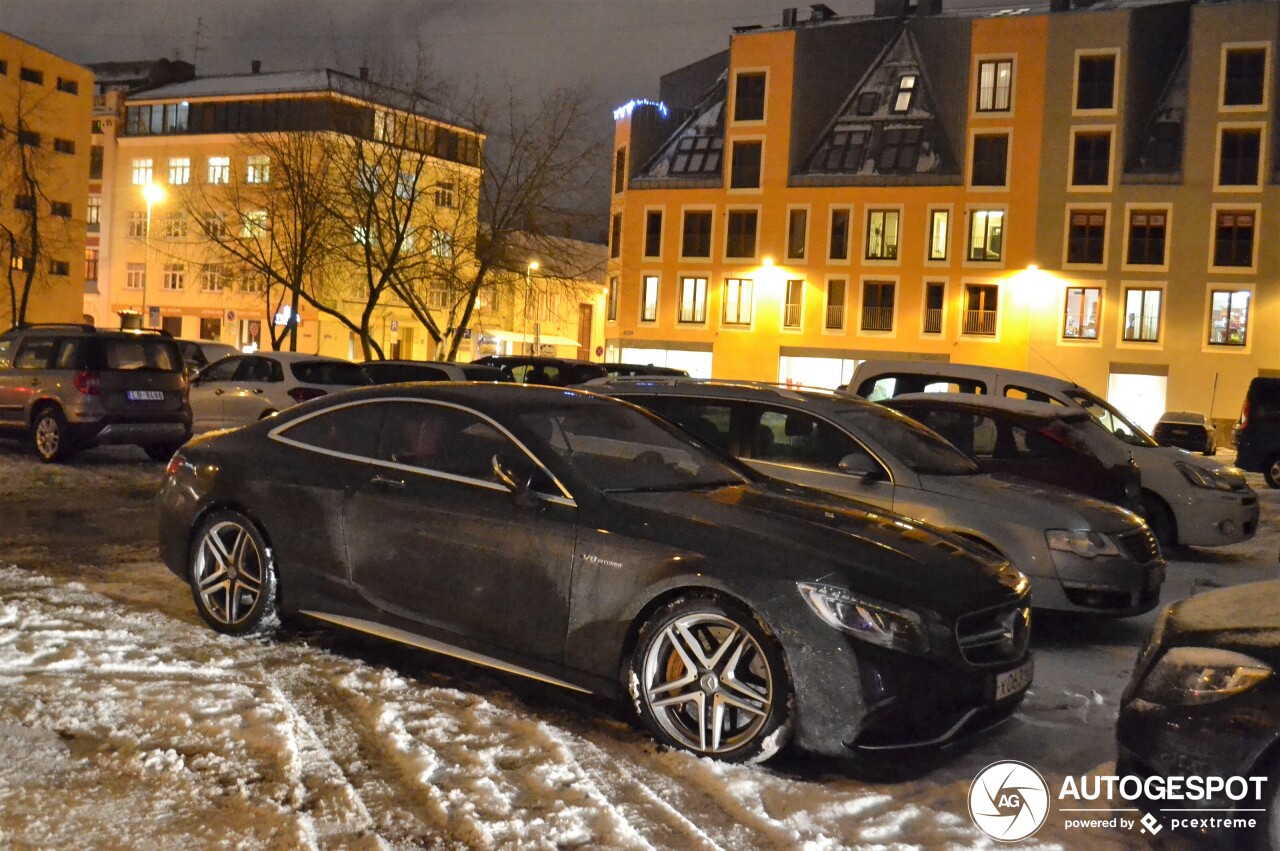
1011, 682
144, 395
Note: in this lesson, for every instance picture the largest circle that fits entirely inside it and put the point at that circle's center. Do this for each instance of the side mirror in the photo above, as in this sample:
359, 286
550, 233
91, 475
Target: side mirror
857, 464
513, 479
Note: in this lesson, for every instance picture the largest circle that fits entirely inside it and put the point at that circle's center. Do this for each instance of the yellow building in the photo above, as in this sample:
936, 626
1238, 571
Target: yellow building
196, 154
45, 105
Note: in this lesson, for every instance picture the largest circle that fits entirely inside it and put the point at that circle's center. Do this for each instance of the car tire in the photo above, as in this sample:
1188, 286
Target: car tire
232, 574
1272, 472
50, 434
699, 658
161, 451
1160, 519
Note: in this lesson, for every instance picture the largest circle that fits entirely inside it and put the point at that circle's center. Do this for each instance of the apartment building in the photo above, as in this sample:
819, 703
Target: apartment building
1076, 190
45, 106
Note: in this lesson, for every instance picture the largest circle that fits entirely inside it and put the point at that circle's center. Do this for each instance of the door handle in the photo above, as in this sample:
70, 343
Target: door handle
219, 392
388, 483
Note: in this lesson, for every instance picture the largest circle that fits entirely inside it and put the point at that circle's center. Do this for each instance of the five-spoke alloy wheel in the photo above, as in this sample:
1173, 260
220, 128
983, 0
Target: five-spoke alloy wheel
233, 577
49, 434
708, 678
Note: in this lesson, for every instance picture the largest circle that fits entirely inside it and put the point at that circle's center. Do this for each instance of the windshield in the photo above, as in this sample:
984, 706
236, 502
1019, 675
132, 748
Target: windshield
620, 450
921, 450
329, 372
1111, 419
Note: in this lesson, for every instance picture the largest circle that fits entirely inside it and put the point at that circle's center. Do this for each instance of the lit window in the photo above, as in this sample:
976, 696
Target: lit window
995, 85
939, 221
649, 299
793, 304
905, 94
175, 225
737, 301
1229, 317
258, 169
179, 170
1081, 313
986, 235
693, 300
175, 276
219, 170
255, 223
882, 235
141, 172
135, 276
1142, 315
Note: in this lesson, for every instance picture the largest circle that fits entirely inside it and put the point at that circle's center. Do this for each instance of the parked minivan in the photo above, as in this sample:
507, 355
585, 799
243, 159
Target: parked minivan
1187, 499
1258, 431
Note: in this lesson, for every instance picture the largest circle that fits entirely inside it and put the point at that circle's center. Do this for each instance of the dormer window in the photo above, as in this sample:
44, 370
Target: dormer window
906, 91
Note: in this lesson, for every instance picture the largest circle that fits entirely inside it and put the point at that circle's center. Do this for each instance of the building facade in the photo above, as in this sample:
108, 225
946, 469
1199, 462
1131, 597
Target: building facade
45, 107
1077, 191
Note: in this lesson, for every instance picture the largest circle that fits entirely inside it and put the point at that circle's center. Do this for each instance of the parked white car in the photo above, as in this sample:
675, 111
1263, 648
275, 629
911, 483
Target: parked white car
242, 389
1187, 499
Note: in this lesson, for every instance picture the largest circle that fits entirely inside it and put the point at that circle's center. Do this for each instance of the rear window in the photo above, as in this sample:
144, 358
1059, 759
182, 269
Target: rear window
485, 373
329, 372
391, 373
156, 354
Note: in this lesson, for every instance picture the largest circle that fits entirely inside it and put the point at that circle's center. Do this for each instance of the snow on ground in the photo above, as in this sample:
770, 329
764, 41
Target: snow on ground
126, 722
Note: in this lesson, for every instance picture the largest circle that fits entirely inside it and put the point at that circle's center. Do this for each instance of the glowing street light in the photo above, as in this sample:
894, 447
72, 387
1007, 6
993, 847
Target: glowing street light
154, 194
537, 326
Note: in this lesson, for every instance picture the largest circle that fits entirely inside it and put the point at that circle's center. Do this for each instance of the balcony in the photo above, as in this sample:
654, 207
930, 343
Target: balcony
933, 320
791, 316
877, 319
980, 322
835, 316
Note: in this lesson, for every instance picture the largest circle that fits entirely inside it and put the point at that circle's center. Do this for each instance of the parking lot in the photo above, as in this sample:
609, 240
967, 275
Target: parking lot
125, 721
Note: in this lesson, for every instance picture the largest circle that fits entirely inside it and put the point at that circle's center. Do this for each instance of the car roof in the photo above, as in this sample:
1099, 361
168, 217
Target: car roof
1022, 407
496, 398
870, 368
491, 359
1188, 417
724, 388
293, 357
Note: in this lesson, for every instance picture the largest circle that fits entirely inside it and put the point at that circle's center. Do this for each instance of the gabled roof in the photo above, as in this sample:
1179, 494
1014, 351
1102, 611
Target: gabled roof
300, 82
696, 149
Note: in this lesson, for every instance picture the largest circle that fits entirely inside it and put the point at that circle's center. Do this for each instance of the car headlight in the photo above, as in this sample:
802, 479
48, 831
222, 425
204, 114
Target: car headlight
1082, 542
1194, 676
1203, 477
870, 620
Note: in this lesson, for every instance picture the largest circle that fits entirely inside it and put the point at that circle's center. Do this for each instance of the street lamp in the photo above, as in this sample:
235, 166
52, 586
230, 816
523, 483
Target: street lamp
154, 195
528, 282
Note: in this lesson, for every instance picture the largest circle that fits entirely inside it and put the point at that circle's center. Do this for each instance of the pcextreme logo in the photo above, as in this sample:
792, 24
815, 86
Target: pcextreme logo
1009, 800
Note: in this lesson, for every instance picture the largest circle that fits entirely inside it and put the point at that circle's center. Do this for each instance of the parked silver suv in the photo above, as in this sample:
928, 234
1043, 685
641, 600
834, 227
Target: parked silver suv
73, 386
1082, 554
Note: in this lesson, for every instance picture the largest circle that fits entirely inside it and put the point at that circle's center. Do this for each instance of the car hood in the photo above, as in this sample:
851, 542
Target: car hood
1033, 504
786, 532
1245, 617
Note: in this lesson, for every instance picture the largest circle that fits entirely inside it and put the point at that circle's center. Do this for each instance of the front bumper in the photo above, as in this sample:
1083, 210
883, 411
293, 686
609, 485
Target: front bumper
1217, 518
1108, 585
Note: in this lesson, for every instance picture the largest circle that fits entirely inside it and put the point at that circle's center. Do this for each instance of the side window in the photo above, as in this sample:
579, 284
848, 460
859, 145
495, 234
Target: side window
223, 370
352, 430
256, 369
545, 374
34, 353
1030, 395
6, 354
989, 440
792, 437
708, 421
881, 388
958, 427
443, 439
70, 355
518, 371
1039, 444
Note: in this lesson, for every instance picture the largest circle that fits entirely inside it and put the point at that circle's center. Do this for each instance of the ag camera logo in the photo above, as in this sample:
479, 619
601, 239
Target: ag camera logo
1009, 800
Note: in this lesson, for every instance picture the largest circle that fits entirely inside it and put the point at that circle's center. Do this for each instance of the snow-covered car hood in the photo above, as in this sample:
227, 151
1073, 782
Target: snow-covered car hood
1031, 504
1243, 615
1173, 454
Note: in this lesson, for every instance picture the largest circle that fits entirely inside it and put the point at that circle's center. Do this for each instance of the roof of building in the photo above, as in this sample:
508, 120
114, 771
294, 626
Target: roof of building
304, 81
8, 34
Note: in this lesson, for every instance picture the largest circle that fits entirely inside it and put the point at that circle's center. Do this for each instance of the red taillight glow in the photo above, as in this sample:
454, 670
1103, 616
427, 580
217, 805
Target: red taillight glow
175, 464
1244, 414
302, 394
86, 382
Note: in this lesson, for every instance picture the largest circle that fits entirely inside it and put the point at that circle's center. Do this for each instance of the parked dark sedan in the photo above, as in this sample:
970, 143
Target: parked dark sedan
1189, 430
1204, 699
1051, 444
580, 541
555, 372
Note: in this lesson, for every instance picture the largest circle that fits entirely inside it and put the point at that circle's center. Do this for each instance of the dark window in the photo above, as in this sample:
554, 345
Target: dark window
981, 304
839, 244
995, 85
1082, 313
64, 146
447, 440
741, 233
1233, 238
1163, 152
697, 155
844, 150
1146, 238
1086, 236
697, 234
877, 306
59, 267
866, 103
653, 233
1091, 159
95, 162
60, 208
335, 372
709, 422
615, 236
990, 160
1243, 84
797, 233
835, 304
746, 165
933, 298
24, 202
4, 66
71, 87
620, 170
1229, 317
31, 75
748, 97
1142, 315
1238, 163
171, 325
353, 430
899, 150
29, 137
794, 438
1095, 83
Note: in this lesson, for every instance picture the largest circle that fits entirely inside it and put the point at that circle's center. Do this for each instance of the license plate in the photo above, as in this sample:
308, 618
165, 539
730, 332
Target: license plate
144, 395
1011, 682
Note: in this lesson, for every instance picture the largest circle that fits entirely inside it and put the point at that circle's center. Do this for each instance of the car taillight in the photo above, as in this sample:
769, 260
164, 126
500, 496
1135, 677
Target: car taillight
87, 382
1244, 414
302, 394
175, 464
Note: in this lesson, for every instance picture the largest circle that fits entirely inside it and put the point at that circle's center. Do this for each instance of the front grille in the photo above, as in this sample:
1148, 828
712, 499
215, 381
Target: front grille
994, 635
1141, 545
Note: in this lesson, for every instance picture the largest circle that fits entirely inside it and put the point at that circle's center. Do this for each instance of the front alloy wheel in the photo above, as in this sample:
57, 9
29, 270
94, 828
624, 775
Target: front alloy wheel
1272, 472
709, 679
233, 577
49, 435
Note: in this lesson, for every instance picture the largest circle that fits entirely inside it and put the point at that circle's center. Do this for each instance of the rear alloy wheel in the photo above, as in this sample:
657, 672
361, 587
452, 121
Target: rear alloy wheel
708, 678
233, 576
1272, 472
49, 434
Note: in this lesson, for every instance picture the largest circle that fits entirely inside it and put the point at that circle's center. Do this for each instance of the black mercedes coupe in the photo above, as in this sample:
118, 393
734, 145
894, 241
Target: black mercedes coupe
581, 541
